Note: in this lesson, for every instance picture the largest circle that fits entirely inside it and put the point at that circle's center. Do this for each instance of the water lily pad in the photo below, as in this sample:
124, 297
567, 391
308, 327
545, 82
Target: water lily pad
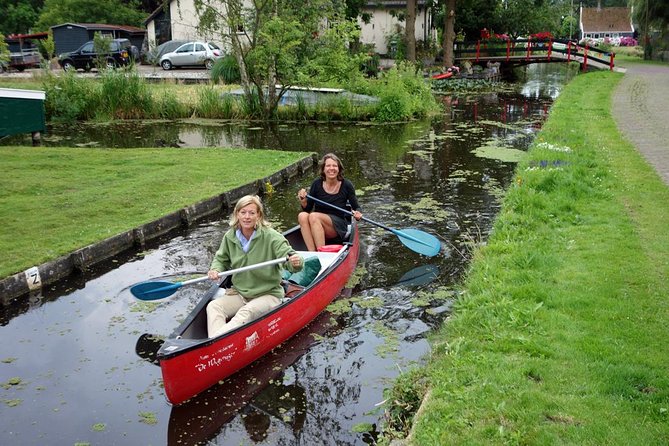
501, 153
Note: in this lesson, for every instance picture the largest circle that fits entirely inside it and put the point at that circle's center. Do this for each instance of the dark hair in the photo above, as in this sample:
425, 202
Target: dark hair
332, 156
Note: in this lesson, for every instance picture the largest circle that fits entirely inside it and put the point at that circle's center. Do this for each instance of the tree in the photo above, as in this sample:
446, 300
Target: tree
410, 31
650, 14
18, 16
56, 12
449, 33
278, 43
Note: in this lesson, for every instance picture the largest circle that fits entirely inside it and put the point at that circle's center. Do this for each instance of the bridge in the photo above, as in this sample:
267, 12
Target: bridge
525, 51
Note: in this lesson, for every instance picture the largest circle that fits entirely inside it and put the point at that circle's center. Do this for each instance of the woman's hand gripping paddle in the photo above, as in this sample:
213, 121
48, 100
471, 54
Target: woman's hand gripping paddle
154, 290
418, 241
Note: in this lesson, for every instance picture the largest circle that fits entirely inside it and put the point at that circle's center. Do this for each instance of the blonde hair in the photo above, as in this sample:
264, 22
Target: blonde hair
245, 201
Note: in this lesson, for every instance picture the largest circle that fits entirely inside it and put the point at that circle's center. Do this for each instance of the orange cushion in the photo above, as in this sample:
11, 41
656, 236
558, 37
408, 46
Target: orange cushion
330, 248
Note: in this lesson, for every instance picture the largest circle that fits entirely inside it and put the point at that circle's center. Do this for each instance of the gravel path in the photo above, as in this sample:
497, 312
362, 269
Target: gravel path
641, 111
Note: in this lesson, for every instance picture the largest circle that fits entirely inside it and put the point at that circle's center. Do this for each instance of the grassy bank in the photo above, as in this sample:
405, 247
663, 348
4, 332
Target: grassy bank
56, 200
402, 93
559, 336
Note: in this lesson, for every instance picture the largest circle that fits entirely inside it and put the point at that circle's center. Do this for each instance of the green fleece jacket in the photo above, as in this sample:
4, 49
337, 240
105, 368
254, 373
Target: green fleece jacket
266, 244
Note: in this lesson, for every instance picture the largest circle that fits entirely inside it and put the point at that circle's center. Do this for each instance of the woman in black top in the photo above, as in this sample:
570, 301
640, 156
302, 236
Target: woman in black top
319, 222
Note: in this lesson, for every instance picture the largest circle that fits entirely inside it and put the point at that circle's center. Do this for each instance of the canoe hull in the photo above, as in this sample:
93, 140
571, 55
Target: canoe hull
190, 364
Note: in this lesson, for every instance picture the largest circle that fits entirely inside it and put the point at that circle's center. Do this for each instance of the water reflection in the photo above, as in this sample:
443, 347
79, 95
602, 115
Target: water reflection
76, 349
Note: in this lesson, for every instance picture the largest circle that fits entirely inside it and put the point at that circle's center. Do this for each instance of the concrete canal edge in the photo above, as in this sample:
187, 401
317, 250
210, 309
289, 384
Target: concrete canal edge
32, 280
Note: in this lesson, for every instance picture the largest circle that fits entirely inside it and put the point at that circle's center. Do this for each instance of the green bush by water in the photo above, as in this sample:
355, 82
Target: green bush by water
123, 94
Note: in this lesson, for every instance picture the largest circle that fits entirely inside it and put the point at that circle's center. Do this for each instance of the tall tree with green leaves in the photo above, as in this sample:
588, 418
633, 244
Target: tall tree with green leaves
280, 43
18, 16
650, 15
114, 12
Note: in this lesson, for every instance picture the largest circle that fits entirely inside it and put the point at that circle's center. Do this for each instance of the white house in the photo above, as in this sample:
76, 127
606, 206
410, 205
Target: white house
384, 23
597, 24
178, 20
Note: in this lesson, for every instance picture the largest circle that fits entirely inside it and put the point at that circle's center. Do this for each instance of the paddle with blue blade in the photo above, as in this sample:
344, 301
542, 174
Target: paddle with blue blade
414, 239
156, 289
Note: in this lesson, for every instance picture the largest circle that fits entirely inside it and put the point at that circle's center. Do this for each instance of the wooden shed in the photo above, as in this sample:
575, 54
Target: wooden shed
70, 36
22, 111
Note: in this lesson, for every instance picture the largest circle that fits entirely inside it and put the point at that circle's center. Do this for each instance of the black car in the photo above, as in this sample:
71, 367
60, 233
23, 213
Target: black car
85, 58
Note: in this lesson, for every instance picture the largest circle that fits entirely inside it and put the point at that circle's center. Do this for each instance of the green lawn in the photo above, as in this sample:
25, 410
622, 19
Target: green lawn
56, 200
560, 334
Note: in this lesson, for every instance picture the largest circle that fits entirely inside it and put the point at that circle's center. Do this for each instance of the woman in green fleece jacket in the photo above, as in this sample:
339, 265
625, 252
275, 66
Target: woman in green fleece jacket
249, 240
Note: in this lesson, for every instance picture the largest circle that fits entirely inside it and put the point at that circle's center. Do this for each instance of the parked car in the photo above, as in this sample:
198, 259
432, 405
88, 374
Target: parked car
192, 54
85, 58
152, 57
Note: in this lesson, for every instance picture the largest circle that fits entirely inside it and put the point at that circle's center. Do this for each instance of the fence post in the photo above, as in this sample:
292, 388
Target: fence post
508, 48
569, 51
478, 49
585, 57
611, 56
529, 47
550, 48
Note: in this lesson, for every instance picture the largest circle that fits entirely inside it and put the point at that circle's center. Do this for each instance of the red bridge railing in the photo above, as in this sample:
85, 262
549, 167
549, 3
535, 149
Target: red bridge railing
531, 50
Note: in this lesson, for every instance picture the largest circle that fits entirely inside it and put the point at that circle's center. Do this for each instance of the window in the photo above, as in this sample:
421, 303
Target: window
187, 48
199, 47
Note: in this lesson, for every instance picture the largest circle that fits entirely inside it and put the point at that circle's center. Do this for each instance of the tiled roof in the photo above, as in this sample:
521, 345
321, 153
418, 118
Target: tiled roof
606, 20
105, 26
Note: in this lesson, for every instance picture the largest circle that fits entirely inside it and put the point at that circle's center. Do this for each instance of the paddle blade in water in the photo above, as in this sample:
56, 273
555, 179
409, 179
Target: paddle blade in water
420, 275
154, 290
419, 241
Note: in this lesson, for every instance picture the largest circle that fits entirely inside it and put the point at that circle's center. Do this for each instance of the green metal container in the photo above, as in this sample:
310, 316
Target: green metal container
21, 111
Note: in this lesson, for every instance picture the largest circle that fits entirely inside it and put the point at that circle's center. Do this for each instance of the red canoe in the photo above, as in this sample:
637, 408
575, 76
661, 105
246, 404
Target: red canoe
191, 362
443, 75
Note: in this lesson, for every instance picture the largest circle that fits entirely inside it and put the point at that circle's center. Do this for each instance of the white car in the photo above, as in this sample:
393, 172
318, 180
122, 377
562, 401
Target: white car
192, 54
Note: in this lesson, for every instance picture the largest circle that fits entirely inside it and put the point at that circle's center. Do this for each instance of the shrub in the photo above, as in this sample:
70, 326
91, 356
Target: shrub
124, 95
226, 70
68, 98
168, 106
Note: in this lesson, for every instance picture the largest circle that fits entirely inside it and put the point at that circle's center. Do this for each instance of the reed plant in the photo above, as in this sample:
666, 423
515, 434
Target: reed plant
123, 94
168, 106
209, 104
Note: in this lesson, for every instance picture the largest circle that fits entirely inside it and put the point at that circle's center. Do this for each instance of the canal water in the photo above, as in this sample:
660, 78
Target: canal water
77, 364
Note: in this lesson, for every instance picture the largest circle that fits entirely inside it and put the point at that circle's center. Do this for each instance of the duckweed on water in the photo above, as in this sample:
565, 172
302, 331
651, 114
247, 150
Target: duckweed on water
391, 343
355, 278
99, 427
339, 307
369, 302
13, 403
361, 428
148, 418
491, 150
144, 307
427, 206
8, 360
12, 382
425, 299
